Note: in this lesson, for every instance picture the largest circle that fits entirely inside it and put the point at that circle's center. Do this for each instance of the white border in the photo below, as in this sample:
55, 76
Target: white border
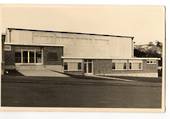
78, 115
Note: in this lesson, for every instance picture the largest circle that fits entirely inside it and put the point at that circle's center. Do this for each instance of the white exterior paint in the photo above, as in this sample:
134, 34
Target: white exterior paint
73, 60
77, 45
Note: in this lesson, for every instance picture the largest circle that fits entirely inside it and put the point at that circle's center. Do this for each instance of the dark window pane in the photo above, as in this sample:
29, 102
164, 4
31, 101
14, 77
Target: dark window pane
113, 65
31, 56
38, 57
89, 67
85, 68
65, 66
124, 66
18, 57
25, 56
79, 66
130, 65
140, 65
89, 60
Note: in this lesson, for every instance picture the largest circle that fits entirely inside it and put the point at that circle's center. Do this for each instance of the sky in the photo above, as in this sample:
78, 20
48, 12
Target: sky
145, 23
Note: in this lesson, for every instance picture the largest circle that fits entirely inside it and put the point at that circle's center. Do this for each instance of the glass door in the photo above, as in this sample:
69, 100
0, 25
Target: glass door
88, 67
31, 57
28, 56
25, 56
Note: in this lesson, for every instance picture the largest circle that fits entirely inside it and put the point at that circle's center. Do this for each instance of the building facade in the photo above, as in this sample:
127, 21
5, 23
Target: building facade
74, 53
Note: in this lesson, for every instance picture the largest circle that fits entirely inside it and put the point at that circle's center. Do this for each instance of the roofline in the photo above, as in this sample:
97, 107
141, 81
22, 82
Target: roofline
71, 32
53, 45
111, 58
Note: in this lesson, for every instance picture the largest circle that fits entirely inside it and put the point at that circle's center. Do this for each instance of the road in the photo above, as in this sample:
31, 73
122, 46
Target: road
71, 92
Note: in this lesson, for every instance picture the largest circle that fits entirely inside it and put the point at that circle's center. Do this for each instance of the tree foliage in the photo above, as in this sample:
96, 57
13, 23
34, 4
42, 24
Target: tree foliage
152, 49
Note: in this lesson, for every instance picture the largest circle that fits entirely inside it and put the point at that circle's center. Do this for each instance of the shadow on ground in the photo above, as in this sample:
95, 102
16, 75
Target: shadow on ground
12, 73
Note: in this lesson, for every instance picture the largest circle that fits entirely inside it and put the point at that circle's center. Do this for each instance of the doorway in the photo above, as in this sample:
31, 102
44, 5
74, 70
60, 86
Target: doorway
88, 67
28, 56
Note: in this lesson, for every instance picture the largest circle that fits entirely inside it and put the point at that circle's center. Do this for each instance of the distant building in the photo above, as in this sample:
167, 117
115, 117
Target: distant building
74, 53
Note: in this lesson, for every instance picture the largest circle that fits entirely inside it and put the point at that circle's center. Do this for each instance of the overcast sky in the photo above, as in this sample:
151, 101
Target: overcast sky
145, 23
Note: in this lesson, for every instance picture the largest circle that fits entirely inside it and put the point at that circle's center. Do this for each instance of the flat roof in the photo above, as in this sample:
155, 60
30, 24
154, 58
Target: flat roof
72, 32
132, 58
26, 44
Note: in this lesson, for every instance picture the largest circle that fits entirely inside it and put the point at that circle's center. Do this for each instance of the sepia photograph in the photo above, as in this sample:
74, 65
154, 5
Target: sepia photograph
83, 56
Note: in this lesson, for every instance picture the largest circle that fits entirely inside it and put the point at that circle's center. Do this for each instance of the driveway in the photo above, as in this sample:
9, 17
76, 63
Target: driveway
42, 72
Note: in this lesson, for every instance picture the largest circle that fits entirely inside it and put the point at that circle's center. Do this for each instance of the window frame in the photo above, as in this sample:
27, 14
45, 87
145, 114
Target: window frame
129, 66
151, 61
79, 66
113, 66
21, 50
124, 66
65, 64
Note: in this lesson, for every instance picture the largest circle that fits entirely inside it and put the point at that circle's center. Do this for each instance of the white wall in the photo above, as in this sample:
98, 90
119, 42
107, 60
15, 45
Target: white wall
78, 45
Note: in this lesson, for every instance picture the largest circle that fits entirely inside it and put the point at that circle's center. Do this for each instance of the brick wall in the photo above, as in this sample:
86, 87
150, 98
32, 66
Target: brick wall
9, 56
147, 68
52, 55
105, 67
102, 66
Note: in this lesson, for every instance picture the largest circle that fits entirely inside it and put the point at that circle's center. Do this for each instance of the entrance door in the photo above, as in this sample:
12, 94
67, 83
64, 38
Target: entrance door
88, 67
25, 56
29, 56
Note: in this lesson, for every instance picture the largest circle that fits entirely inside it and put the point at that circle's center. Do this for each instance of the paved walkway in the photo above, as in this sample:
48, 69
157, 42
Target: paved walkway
131, 82
112, 78
42, 72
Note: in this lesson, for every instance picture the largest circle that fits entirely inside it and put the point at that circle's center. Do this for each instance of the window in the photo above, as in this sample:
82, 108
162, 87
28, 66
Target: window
140, 65
25, 56
31, 56
79, 66
124, 66
151, 61
28, 55
130, 65
65, 66
18, 57
113, 65
38, 57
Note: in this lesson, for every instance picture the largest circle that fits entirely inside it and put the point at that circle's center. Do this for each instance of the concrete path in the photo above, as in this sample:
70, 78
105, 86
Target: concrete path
42, 72
131, 82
